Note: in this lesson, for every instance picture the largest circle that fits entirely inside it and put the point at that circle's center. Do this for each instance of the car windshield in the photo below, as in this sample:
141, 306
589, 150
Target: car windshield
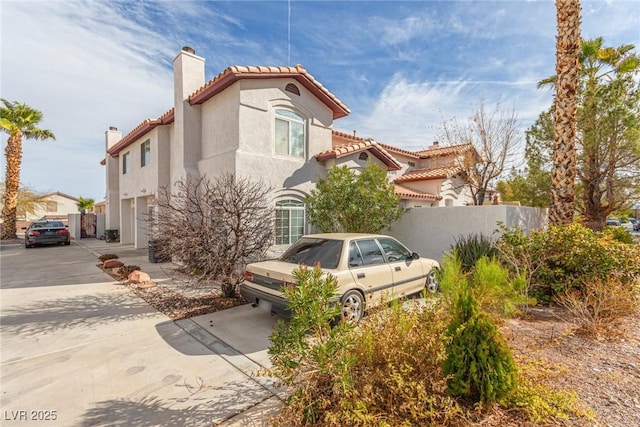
311, 251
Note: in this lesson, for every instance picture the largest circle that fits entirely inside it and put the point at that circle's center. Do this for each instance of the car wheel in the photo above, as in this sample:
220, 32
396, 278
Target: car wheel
67, 243
28, 246
432, 281
352, 306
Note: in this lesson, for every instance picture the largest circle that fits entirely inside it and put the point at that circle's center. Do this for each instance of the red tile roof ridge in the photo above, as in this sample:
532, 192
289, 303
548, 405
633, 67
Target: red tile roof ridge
445, 150
410, 193
234, 72
427, 174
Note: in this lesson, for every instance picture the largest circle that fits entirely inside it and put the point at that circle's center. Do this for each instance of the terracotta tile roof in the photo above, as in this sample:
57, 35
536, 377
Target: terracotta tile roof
343, 138
340, 151
435, 150
427, 174
393, 149
234, 73
146, 126
407, 193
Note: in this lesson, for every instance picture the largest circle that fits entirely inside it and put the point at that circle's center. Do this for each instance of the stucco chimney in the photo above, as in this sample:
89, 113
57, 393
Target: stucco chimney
188, 76
111, 136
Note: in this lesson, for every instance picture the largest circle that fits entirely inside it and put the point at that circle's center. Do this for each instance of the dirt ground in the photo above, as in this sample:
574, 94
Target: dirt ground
605, 372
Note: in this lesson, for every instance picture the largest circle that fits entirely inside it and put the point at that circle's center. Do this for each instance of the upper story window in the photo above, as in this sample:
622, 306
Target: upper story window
290, 133
145, 153
126, 162
52, 206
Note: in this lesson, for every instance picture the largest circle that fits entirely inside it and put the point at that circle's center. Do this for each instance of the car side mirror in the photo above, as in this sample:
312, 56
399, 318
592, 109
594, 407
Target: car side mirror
415, 256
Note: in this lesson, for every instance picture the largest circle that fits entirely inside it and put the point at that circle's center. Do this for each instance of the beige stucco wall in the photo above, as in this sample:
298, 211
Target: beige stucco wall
431, 232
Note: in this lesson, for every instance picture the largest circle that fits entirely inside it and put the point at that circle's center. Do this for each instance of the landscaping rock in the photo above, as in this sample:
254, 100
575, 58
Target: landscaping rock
139, 277
112, 263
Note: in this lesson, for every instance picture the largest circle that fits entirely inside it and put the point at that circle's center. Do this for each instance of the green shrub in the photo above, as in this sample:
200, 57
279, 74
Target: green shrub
469, 249
496, 291
105, 257
618, 233
386, 371
308, 355
566, 257
478, 363
491, 284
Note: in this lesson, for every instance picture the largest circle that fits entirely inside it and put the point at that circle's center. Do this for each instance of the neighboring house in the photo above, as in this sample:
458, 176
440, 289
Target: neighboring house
55, 206
426, 178
99, 208
268, 123
51, 206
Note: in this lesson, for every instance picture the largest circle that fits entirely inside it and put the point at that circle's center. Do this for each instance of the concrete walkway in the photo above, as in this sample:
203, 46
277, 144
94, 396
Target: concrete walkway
78, 349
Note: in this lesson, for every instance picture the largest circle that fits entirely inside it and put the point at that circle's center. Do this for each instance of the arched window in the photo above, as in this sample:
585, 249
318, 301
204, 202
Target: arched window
290, 133
363, 156
290, 215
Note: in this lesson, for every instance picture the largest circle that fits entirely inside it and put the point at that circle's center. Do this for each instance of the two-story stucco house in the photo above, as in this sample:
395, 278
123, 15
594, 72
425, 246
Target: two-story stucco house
269, 123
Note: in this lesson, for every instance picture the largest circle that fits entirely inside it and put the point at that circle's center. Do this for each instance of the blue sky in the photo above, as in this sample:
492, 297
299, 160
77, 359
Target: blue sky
401, 67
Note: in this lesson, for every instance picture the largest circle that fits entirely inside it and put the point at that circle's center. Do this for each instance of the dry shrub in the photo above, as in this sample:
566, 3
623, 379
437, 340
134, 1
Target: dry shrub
213, 227
124, 271
601, 305
105, 257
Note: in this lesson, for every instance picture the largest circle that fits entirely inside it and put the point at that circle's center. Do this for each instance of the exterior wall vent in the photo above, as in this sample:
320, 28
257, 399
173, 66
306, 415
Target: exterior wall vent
292, 88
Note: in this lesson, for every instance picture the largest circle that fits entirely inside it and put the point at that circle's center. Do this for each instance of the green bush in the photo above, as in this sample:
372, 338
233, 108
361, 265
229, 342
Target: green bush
478, 363
495, 289
618, 233
469, 249
566, 257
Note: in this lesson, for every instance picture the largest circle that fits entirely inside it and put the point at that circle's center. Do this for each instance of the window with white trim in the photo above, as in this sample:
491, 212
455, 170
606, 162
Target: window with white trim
145, 153
290, 221
126, 162
290, 133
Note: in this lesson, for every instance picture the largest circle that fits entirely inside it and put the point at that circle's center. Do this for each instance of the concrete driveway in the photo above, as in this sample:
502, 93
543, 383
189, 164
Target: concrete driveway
78, 349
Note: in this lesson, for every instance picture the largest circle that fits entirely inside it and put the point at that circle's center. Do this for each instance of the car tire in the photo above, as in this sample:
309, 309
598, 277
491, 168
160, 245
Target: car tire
67, 243
28, 246
431, 283
352, 306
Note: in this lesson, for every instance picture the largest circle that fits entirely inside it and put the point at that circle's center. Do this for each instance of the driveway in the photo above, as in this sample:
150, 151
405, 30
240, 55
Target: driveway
78, 349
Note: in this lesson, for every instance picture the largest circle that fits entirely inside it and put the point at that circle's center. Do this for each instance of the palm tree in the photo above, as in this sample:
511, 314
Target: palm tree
17, 120
563, 172
85, 205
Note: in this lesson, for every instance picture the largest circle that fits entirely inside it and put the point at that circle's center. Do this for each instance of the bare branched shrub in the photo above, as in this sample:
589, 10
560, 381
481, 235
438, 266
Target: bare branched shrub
600, 306
213, 227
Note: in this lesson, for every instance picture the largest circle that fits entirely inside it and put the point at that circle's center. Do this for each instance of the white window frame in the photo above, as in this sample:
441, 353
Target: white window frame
294, 231
126, 162
290, 118
145, 153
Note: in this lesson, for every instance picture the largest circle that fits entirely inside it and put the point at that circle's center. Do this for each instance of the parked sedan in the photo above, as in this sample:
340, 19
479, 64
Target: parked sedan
45, 233
369, 268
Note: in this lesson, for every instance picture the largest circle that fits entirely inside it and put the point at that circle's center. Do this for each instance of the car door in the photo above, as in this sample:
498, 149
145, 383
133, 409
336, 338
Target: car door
408, 274
370, 270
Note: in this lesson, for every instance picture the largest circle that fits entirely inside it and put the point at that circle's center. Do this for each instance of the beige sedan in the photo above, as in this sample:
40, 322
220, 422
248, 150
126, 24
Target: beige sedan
369, 268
